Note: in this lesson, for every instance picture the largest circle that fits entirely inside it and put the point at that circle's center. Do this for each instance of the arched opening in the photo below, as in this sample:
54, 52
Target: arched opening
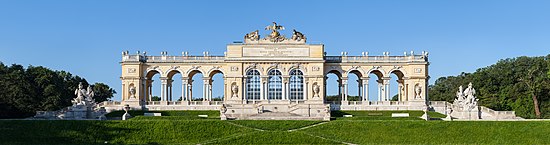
397, 91
333, 91
354, 86
196, 79
153, 86
275, 85
173, 86
217, 90
253, 85
376, 86
296, 85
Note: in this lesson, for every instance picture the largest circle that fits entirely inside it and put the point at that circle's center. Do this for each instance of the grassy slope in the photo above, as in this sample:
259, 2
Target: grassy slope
129, 132
275, 137
275, 125
186, 128
434, 132
382, 115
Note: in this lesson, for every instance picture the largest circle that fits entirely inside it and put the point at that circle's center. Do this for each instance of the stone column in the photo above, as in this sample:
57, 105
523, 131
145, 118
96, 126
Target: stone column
387, 89
262, 86
205, 89
380, 90
359, 88
400, 91
306, 90
244, 91
170, 89
164, 87
340, 88
149, 89
190, 90
184, 88
210, 81
345, 93
284, 89
124, 97
365, 84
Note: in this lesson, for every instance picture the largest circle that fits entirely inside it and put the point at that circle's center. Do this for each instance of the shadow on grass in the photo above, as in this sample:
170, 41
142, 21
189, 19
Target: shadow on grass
59, 132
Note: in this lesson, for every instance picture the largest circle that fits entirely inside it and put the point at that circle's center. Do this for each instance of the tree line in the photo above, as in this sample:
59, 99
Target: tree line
520, 84
23, 91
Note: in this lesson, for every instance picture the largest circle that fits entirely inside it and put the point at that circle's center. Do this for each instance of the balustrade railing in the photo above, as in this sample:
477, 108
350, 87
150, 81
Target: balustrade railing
164, 103
375, 58
368, 102
171, 58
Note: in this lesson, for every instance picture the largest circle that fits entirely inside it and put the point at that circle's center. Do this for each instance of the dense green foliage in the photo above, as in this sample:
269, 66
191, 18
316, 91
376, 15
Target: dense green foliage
510, 84
25, 91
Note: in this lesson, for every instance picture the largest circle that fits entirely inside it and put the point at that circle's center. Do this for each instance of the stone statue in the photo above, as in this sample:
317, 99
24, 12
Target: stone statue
90, 95
132, 92
316, 90
449, 112
83, 96
252, 36
275, 36
223, 109
298, 36
234, 91
126, 115
466, 99
418, 92
470, 91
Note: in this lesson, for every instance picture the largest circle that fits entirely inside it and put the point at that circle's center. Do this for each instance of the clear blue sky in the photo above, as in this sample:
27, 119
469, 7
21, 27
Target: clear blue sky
86, 38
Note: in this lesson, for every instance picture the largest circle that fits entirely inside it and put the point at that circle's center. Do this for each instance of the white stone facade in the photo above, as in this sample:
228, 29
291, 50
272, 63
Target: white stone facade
282, 75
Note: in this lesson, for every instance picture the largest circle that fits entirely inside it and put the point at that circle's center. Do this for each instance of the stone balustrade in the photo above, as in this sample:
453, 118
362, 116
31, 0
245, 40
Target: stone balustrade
330, 59
365, 59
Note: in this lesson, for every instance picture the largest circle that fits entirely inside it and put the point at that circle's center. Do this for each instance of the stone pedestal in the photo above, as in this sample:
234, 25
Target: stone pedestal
134, 103
126, 116
425, 116
467, 115
448, 118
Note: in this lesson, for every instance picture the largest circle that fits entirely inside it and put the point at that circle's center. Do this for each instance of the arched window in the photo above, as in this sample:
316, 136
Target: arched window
296, 85
275, 85
253, 85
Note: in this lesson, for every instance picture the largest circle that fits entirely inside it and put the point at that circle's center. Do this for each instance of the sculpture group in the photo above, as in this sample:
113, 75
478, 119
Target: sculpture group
84, 107
465, 99
275, 36
83, 96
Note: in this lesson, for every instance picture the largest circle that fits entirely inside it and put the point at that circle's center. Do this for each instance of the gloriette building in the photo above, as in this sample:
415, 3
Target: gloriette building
274, 77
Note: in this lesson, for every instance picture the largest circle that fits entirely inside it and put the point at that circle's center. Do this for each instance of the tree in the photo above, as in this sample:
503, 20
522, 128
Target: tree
520, 84
395, 97
36, 88
155, 98
102, 92
535, 79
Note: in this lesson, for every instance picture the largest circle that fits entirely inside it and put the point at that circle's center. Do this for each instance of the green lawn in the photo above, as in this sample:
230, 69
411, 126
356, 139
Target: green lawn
275, 125
185, 128
382, 115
